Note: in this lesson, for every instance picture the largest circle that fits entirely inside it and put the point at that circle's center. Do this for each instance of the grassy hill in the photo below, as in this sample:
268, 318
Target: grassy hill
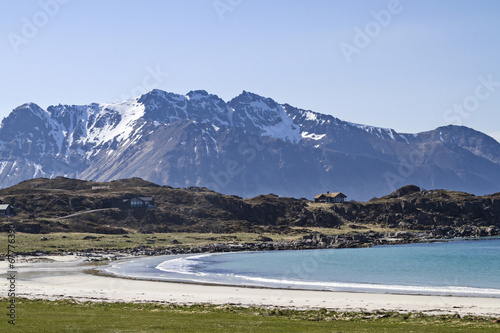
70, 205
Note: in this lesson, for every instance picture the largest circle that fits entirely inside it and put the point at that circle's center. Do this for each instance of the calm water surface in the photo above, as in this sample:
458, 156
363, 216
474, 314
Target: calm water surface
459, 267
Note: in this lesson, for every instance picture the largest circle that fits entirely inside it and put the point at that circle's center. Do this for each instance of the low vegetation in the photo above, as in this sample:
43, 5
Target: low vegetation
63, 242
72, 316
71, 242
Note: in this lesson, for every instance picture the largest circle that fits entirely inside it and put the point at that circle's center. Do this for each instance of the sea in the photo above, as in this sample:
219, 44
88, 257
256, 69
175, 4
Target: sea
457, 268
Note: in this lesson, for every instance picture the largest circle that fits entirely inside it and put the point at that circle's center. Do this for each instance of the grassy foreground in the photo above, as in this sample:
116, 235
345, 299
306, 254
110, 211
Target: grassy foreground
71, 316
72, 241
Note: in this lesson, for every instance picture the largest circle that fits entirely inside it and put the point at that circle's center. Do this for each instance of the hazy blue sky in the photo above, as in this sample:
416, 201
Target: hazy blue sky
408, 65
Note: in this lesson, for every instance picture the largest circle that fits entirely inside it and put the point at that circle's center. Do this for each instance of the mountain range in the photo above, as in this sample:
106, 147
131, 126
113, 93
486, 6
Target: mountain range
248, 146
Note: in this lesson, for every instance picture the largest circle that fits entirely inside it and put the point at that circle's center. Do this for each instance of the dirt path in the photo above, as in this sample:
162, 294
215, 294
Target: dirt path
85, 212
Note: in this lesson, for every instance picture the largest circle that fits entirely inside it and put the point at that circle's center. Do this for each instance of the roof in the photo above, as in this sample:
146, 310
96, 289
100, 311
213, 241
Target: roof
145, 199
331, 195
4, 206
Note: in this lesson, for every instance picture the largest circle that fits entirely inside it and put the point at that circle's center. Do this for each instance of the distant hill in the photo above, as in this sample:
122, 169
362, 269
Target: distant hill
247, 146
41, 205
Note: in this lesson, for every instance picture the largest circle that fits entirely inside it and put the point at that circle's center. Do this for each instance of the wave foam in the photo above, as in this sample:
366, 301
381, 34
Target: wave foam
367, 287
186, 267
183, 265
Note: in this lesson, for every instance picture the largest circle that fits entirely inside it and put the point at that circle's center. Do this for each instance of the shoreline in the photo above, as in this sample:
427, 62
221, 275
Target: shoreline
54, 278
314, 241
370, 288
209, 284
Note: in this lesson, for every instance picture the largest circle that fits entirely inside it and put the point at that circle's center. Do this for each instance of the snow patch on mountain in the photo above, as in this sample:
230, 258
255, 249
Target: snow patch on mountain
311, 115
284, 130
38, 171
383, 133
3, 164
312, 136
120, 122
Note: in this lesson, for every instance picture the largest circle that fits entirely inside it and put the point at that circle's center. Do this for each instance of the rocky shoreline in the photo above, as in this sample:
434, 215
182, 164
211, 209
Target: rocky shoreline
312, 241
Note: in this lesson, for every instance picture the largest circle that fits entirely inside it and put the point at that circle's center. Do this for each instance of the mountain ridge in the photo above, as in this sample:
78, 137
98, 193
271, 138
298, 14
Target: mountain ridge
247, 146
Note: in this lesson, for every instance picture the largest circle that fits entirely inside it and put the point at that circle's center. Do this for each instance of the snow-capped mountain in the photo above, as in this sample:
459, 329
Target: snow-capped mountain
247, 146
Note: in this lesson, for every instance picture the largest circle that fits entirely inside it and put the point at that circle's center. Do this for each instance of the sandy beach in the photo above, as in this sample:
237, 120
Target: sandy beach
65, 277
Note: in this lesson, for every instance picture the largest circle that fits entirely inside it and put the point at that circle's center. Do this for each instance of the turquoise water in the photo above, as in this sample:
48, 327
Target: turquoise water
466, 268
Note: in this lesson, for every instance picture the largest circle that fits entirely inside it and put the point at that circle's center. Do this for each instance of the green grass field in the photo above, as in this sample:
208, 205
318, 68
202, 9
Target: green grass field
70, 316
60, 242
67, 242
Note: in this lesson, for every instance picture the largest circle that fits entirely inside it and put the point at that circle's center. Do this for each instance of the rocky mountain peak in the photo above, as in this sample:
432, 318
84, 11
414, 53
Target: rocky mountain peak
197, 94
248, 146
248, 98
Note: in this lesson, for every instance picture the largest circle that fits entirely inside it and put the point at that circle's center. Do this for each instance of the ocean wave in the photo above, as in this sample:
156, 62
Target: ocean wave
367, 287
183, 265
187, 267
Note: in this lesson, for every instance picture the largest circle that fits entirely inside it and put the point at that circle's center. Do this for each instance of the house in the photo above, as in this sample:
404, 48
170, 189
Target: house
330, 197
100, 187
140, 202
6, 210
133, 202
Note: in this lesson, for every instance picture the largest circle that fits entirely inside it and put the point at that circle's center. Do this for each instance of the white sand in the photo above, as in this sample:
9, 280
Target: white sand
64, 278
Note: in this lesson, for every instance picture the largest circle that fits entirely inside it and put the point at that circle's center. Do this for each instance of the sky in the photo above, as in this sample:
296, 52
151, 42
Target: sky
408, 65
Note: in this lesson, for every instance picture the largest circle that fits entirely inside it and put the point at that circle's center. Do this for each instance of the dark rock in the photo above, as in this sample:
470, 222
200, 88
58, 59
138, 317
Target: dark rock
89, 237
263, 239
403, 191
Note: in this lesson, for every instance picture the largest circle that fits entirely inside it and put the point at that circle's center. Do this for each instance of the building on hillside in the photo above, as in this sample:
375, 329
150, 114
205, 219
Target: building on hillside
140, 202
6, 210
133, 202
330, 197
104, 187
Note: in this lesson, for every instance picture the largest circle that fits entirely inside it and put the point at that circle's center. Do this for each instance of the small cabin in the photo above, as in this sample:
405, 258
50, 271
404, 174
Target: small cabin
141, 202
330, 197
133, 202
6, 210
